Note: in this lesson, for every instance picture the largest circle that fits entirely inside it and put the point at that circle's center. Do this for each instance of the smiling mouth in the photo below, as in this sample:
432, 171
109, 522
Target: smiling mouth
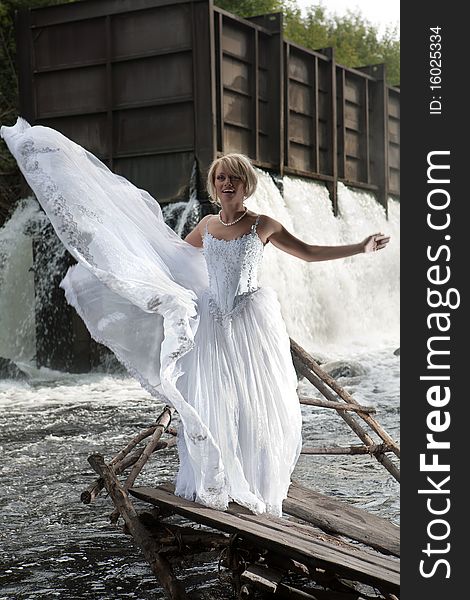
228, 191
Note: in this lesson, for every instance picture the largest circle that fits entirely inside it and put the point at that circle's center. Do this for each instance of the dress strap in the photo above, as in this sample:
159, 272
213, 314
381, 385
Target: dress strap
205, 227
255, 224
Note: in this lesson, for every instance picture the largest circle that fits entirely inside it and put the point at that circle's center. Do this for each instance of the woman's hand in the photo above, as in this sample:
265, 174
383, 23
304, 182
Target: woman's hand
375, 242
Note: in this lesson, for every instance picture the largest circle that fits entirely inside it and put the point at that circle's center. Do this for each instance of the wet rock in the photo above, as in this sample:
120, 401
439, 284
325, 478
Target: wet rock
8, 370
344, 368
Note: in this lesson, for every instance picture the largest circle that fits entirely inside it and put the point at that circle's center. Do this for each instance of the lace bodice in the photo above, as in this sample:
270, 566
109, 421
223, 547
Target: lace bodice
232, 267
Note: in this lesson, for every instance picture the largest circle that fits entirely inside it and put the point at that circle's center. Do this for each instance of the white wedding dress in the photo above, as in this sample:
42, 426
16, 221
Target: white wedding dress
191, 325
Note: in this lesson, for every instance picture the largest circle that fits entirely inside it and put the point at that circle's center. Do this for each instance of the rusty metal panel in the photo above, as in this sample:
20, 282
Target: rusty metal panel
394, 130
394, 104
302, 111
238, 120
153, 129
152, 80
87, 130
248, 86
300, 98
236, 74
393, 126
300, 157
353, 169
324, 100
354, 89
237, 109
78, 11
166, 177
129, 92
353, 143
62, 44
167, 28
353, 118
74, 91
237, 39
298, 67
300, 127
264, 118
263, 79
237, 140
354, 122
323, 133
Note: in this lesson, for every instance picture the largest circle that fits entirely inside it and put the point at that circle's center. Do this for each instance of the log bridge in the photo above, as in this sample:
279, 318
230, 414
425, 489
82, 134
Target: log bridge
322, 548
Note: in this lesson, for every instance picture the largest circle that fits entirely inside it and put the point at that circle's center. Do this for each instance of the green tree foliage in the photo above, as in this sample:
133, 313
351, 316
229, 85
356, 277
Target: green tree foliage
250, 8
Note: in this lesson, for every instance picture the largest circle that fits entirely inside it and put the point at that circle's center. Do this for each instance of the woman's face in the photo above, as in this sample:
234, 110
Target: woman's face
229, 187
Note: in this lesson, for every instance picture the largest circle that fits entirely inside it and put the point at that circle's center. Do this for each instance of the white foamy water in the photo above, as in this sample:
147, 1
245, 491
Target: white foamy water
333, 305
51, 422
17, 323
18, 293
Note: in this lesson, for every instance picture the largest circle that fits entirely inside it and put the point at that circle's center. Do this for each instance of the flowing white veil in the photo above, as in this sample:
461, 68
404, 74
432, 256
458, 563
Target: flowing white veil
136, 283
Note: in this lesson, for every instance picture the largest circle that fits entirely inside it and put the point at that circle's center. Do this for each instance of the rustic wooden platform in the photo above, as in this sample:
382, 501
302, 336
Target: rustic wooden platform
322, 548
297, 541
333, 516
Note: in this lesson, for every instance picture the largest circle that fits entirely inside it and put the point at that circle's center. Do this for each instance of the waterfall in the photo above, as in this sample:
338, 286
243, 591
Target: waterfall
182, 217
18, 296
350, 302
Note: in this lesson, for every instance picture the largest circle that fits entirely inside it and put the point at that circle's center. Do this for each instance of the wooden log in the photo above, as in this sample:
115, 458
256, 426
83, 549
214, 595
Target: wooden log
342, 393
326, 580
247, 591
180, 540
163, 422
349, 419
144, 434
336, 405
264, 578
335, 450
158, 563
93, 490
288, 591
270, 580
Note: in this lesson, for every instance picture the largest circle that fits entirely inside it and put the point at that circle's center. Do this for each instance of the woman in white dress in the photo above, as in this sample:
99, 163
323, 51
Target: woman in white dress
186, 317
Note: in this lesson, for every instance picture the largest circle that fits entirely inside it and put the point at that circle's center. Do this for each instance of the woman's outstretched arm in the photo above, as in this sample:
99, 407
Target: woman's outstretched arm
194, 237
278, 235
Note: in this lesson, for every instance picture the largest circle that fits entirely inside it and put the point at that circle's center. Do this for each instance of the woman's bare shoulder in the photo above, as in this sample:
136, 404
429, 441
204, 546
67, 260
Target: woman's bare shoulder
268, 225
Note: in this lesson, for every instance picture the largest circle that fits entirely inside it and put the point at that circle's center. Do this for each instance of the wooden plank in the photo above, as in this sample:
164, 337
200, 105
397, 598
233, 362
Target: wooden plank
269, 580
305, 532
263, 577
335, 516
273, 534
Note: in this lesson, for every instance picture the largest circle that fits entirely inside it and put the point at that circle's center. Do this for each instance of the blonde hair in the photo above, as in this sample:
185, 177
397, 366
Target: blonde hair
235, 164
